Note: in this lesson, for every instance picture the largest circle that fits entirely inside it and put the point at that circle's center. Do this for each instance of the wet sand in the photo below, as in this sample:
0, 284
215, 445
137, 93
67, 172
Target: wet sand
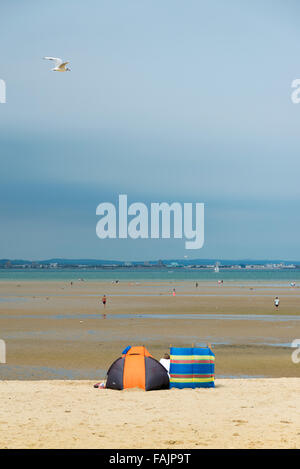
57, 331
247, 413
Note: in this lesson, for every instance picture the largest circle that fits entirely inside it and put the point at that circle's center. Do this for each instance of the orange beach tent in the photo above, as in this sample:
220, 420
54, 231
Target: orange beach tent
137, 369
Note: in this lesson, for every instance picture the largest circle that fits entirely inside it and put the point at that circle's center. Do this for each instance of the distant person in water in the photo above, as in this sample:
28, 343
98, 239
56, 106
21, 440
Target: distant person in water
104, 300
276, 302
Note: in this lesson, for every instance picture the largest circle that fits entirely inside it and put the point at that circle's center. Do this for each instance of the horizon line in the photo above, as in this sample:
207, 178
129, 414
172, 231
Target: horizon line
215, 259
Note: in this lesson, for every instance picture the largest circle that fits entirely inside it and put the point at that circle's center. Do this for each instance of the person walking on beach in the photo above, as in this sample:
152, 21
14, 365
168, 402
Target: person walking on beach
276, 302
104, 300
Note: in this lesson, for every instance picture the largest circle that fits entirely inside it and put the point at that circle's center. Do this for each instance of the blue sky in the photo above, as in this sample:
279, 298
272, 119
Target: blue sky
166, 101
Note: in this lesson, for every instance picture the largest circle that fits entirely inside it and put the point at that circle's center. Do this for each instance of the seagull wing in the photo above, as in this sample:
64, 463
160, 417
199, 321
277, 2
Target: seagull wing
57, 60
63, 65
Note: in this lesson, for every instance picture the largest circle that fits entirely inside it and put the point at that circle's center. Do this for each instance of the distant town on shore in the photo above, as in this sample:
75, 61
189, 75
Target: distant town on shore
159, 264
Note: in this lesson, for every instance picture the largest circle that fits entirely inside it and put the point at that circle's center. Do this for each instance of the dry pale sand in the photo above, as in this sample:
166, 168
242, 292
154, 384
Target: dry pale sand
238, 413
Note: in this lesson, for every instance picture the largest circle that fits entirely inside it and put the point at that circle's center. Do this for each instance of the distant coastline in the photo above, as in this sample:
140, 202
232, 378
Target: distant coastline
177, 264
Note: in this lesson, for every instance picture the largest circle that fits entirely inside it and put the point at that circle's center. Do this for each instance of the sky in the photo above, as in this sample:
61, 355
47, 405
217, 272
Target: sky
166, 102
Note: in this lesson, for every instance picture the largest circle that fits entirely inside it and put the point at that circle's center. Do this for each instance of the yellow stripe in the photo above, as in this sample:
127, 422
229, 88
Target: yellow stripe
192, 357
191, 380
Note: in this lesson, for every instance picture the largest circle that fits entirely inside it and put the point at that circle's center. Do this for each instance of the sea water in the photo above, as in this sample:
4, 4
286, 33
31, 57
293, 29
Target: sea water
153, 274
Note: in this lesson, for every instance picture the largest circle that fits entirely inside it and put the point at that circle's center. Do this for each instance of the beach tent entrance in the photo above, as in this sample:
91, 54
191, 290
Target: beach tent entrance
137, 368
192, 367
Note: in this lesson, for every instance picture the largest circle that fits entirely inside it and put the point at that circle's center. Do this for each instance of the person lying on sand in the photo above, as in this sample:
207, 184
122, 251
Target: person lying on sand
100, 385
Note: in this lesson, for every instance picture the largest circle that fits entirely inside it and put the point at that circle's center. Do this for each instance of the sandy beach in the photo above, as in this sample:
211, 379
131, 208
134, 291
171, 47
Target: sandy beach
253, 413
60, 341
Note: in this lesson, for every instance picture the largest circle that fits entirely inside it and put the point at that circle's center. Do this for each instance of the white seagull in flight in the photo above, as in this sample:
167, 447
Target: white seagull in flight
60, 66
